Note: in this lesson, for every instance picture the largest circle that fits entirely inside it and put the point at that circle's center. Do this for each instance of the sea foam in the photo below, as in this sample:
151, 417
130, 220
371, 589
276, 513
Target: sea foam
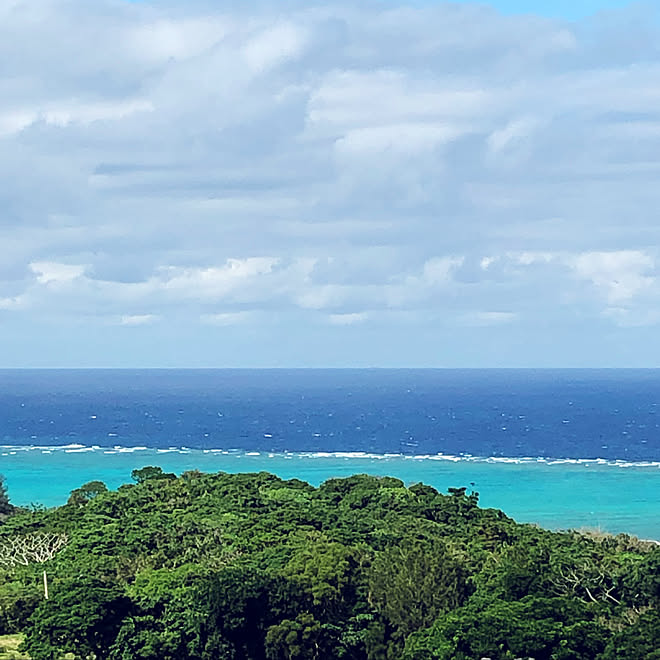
320, 455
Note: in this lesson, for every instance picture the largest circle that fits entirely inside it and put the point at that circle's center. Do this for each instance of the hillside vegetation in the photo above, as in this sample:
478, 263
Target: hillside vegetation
249, 566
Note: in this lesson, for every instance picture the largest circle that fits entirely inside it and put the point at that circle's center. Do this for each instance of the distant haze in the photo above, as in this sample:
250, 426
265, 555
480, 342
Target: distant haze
329, 184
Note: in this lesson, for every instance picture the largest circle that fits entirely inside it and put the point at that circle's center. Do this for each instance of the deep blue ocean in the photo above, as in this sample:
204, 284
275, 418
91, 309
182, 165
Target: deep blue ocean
528, 440
561, 414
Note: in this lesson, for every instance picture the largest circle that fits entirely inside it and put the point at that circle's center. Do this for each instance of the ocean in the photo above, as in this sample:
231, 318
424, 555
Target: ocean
561, 448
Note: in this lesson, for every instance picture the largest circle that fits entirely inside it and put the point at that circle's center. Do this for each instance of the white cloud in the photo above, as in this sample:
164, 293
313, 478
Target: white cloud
227, 318
348, 319
274, 45
215, 282
212, 163
62, 113
620, 275
439, 270
394, 139
488, 318
631, 317
56, 273
383, 97
138, 319
14, 121
86, 113
10, 303
163, 39
530, 258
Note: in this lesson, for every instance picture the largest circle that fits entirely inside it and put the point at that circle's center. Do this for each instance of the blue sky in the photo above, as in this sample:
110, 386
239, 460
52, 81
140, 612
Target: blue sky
567, 9
570, 9
329, 184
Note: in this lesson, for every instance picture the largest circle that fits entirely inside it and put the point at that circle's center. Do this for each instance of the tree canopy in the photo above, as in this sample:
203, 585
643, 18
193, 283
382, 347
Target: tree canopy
6, 508
253, 567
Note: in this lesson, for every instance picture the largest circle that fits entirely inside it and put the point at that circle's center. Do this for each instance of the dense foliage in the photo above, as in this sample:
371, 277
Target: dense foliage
6, 509
250, 566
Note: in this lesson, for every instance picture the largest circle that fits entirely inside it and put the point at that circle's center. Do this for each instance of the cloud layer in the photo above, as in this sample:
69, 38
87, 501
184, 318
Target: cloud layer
361, 172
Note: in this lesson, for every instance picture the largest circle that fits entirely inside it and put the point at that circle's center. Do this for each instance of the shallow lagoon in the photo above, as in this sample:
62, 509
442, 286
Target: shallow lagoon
614, 497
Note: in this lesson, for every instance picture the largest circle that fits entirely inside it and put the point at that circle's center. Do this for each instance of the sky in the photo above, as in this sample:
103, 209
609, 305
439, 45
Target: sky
565, 9
329, 184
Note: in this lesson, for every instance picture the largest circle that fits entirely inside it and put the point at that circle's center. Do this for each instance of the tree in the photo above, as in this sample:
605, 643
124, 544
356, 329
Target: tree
83, 618
411, 584
242, 604
642, 583
251, 567
6, 508
325, 569
87, 492
31, 549
150, 472
166, 616
637, 642
541, 628
295, 639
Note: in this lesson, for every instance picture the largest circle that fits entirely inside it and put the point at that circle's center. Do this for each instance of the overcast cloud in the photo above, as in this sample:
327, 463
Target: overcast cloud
209, 184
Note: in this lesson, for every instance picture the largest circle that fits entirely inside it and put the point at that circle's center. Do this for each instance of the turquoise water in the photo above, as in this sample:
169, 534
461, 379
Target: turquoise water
613, 497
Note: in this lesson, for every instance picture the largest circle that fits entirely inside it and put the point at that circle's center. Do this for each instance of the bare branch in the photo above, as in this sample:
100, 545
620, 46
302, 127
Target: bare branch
31, 549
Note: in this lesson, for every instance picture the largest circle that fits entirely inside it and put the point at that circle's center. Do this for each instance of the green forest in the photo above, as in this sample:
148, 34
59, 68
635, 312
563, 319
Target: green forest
251, 567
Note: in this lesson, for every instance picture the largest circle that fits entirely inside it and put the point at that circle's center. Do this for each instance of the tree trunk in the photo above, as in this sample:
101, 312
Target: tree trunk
45, 586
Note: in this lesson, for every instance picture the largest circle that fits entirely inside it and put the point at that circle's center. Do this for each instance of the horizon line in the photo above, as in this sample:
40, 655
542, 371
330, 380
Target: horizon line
342, 368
